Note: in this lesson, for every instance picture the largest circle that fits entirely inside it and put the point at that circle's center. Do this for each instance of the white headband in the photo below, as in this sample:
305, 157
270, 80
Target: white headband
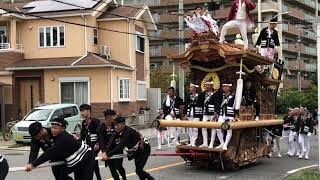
209, 82
227, 85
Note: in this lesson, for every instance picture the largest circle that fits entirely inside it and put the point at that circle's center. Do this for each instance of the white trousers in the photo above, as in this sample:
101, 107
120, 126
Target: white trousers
220, 133
293, 143
286, 134
304, 143
204, 130
267, 52
193, 132
241, 24
174, 132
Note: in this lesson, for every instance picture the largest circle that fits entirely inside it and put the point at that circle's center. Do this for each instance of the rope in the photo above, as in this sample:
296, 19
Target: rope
58, 163
271, 133
221, 68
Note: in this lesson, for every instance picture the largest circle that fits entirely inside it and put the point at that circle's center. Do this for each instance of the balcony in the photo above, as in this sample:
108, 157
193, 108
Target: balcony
288, 28
222, 13
169, 51
269, 7
309, 34
311, 67
294, 12
168, 18
310, 51
294, 65
290, 47
294, 83
175, 34
7, 47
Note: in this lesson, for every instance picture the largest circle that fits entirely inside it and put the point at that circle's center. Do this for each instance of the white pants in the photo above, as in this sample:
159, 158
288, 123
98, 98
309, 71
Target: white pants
204, 130
193, 132
286, 134
277, 145
304, 143
174, 132
293, 143
241, 24
267, 52
229, 131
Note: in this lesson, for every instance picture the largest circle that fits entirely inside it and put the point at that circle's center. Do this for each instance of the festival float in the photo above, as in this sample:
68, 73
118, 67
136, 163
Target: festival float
206, 58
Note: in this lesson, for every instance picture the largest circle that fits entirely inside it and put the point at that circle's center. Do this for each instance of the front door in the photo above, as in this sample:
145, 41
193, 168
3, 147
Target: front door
29, 95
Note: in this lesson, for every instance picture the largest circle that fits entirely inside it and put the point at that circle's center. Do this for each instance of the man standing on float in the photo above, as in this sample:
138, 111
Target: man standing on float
239, 17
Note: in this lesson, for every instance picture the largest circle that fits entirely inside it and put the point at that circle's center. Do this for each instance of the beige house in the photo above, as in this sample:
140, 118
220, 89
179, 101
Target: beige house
59, 53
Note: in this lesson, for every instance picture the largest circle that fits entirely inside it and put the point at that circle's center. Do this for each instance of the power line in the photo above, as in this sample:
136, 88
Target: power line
82, 25
104, 1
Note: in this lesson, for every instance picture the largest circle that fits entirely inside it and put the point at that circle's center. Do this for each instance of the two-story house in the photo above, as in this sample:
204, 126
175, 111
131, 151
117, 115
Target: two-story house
74, 51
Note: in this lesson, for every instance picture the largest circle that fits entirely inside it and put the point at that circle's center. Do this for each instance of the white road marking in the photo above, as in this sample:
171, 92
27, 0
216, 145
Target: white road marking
298, 169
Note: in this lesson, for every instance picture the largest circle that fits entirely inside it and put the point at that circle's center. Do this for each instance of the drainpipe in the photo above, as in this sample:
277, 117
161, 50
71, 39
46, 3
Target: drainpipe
129, 43
85, 35
111, 88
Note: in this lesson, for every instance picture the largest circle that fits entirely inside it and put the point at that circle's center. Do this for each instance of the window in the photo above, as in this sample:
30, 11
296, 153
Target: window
95, 36
141, 90
68, 112
57, 113
74, 90
140, 43
124, 89
51, 36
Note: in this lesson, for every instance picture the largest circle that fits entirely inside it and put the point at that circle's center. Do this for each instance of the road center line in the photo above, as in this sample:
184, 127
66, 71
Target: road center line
155, 169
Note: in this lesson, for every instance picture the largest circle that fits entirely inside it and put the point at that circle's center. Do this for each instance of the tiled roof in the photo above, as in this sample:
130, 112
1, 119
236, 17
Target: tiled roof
122, 11
18, 7
91, 60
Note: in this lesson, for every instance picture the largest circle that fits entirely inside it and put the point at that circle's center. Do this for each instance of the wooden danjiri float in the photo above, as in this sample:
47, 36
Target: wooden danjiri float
206, 58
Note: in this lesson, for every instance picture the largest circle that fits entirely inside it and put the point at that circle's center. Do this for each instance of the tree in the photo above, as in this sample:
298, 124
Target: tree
292, 97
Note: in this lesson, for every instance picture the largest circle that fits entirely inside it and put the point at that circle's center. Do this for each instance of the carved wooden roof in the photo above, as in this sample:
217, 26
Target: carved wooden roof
213, 51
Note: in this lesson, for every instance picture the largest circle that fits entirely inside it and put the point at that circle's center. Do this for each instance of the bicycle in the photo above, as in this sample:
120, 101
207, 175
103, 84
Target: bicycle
7, 135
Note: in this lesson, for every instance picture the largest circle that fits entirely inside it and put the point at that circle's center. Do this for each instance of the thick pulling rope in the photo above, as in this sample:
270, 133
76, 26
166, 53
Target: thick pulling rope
58, 163
118, 156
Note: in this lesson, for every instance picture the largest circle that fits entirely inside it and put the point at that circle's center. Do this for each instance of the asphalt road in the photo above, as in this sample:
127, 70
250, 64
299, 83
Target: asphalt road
172, 168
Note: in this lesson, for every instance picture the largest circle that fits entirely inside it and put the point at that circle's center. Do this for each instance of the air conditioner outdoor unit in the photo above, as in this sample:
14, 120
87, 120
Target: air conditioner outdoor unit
106, 51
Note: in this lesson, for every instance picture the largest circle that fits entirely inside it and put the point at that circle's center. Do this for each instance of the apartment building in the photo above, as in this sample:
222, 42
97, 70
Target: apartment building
55, 52
298, 41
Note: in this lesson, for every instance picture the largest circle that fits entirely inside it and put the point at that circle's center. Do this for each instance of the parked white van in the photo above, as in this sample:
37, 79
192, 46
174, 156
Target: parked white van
45, 114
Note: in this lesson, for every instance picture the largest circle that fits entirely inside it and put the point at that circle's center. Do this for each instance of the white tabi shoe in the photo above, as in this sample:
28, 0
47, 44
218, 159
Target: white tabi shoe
220, 146
203, 145
257, 118
279, 155
306, 157
301, 156
225, 148
210, 145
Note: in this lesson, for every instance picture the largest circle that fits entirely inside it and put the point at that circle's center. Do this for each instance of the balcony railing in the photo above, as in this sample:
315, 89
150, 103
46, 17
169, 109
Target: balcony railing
311, 50
4, 46
311, 67
7, 46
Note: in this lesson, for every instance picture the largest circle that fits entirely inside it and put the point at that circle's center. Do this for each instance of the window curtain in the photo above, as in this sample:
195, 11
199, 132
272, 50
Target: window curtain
81, 93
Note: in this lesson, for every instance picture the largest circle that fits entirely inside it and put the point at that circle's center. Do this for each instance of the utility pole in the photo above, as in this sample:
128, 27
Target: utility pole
299, 60
317, 28
259, 15
181, 48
